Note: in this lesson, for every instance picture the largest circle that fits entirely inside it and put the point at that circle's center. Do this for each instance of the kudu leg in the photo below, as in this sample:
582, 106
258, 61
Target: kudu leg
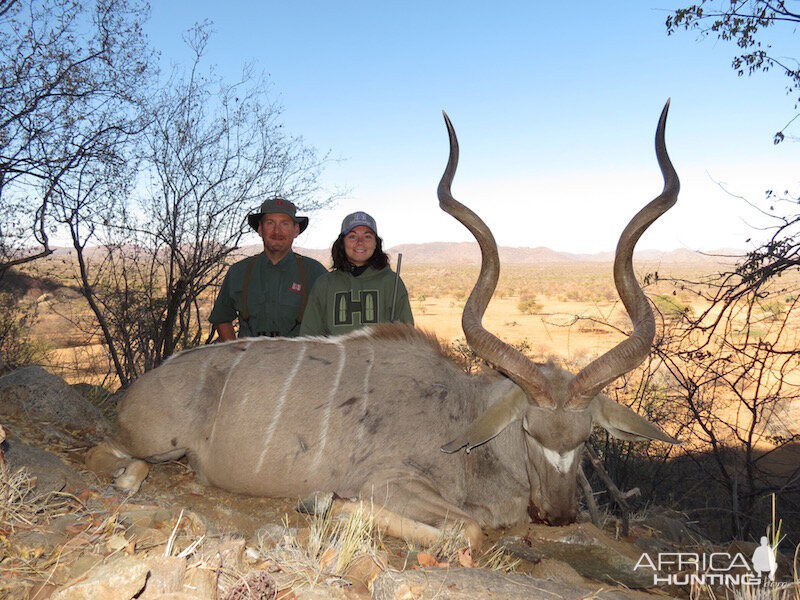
435, 516
107, 460
389, 522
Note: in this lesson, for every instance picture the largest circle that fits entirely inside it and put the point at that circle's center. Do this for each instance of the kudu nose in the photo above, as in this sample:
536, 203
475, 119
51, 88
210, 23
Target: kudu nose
551, 515
562, 518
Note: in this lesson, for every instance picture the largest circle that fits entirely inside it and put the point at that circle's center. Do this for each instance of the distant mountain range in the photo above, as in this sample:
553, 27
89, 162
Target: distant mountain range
468, 253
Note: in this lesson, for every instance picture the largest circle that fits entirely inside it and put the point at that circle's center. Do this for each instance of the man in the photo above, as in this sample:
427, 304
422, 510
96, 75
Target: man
267, 292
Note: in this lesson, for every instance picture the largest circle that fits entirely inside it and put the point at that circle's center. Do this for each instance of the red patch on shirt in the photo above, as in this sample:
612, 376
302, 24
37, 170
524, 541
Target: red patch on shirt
296, 287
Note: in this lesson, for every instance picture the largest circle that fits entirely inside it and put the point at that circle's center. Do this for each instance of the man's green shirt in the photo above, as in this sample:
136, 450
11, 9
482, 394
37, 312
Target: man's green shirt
274, 295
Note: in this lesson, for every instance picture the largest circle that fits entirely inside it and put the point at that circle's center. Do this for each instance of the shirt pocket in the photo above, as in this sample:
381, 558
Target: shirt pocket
290, 302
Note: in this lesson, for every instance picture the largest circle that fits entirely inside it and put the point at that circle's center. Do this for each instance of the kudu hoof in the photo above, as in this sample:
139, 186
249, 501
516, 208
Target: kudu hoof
129, 478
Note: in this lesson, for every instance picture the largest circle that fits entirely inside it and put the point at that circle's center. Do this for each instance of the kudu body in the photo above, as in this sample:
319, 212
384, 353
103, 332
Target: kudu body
382, 414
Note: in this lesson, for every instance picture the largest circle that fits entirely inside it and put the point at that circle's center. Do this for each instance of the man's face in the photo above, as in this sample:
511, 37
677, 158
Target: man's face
277, 231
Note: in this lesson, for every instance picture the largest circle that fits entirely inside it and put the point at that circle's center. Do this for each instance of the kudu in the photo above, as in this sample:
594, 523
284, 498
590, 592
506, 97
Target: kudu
382, 414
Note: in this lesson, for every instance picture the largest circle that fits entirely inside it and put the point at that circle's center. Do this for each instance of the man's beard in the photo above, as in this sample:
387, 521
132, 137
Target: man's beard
275, 244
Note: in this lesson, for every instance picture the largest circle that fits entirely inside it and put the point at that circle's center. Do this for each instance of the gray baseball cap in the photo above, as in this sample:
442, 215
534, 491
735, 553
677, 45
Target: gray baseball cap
355, 219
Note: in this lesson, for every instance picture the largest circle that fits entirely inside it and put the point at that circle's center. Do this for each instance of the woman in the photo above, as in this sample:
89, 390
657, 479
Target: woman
359, 289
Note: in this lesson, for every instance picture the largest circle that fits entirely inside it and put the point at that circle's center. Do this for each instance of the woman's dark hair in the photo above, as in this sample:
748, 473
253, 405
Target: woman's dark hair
378, 260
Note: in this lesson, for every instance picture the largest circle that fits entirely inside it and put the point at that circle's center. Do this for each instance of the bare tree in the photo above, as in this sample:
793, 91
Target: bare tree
723, 381
749, 24
746, 23
72, 74
738, 392
212, 152
732, 361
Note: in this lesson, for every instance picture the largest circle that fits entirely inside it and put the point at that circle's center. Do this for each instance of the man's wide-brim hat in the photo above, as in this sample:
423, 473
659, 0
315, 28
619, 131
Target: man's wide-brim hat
277, 205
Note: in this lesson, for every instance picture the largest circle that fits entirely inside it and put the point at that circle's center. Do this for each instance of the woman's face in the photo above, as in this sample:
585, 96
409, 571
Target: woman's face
359, 245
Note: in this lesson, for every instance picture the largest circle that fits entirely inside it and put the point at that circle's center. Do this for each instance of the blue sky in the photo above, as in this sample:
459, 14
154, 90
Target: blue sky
555, 106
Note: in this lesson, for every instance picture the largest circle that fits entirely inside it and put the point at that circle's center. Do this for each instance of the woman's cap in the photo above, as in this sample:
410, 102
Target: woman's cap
355, 219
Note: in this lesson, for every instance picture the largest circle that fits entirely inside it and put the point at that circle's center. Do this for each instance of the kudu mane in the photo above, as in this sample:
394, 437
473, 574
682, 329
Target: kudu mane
381, 331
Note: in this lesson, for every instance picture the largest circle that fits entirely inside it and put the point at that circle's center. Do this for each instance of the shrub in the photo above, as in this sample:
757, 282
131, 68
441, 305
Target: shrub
16, 347
671, 308
773, 310
528, 305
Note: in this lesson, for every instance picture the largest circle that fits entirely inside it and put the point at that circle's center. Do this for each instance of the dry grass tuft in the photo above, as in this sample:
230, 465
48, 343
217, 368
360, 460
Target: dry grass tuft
328, 549
497, 559
450, 546
20, 505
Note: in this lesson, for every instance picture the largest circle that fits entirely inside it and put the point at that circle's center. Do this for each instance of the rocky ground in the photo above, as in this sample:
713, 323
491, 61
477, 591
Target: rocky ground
65, 534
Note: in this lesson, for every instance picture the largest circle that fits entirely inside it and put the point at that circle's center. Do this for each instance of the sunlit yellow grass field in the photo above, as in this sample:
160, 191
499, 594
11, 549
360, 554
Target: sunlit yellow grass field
573, 311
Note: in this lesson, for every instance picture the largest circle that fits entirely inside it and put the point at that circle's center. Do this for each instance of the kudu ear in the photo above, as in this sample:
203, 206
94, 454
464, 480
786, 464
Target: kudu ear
508, 408
624, 424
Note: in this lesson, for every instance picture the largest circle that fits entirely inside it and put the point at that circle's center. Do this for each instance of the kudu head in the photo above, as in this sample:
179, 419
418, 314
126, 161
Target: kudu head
558, 409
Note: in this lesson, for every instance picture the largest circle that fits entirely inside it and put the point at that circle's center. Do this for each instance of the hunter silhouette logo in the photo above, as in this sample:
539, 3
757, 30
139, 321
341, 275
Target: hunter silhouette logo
764, 560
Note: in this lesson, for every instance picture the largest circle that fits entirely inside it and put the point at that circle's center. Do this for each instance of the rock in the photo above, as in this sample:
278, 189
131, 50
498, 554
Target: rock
272, 534
228, 554
29, 543
121, 579
318, 504
590, 551
520, 547
144, 517
652, 545
77, 568
94, 393
146, 538
63, 522
556, 570
200, 583
364, 569
671, 526
482, 584
40, 396
51, 473
42, 591
166, 575
305, 591
126, 578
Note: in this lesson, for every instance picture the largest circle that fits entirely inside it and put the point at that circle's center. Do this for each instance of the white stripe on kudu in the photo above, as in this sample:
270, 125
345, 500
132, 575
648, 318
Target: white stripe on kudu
365, 391
273, 426
326, 418
222, 393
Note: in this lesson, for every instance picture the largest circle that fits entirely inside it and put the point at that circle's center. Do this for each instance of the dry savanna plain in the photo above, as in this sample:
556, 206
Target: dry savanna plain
549, 306
563, 309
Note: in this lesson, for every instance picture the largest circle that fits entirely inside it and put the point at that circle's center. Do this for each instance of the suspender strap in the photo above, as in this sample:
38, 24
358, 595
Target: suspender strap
245, 314
304, 299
